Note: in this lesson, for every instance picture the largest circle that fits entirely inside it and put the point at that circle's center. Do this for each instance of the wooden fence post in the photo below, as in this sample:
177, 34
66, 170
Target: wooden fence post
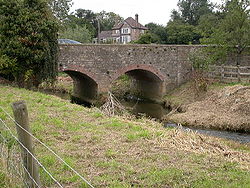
21, 117
222, 74
238, 73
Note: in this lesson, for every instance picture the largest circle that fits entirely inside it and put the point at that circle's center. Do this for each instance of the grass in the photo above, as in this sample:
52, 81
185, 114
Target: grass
124, 151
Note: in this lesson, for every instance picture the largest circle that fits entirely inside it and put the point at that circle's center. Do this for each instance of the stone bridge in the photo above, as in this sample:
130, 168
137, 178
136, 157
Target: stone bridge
155, 69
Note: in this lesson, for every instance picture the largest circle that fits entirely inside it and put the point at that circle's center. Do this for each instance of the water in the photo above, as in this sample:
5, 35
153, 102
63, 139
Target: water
239, 137
152, 110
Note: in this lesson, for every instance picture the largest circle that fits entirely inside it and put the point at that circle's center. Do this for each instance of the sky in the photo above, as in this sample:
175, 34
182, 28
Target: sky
157, 11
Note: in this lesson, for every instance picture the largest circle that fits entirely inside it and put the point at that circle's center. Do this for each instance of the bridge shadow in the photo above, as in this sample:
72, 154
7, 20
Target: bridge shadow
145, 83
141, 91
85, 89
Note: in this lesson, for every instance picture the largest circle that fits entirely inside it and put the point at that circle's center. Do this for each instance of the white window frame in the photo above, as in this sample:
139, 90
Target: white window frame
125, 30
126, 39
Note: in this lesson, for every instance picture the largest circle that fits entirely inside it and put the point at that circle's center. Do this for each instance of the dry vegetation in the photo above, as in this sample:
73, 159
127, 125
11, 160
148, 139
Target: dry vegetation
226, 108
125, 151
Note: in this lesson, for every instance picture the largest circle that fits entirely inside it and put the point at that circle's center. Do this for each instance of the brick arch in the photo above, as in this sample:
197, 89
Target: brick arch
148, 68
79, 69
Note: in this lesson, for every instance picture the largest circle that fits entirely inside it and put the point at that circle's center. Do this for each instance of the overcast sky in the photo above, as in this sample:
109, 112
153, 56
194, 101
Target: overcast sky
157, 11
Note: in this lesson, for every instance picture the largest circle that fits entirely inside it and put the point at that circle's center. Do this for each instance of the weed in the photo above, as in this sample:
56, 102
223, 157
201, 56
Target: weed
97, 115
110, 153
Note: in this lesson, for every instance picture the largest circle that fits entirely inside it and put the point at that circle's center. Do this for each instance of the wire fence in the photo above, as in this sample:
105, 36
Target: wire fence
20, 163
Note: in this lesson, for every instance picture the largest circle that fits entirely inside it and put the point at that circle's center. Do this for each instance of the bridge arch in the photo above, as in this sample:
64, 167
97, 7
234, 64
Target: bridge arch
147, 81
144, 67
85, 84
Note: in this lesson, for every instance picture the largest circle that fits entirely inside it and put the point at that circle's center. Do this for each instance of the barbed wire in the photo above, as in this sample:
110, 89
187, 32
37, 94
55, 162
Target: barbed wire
44, 145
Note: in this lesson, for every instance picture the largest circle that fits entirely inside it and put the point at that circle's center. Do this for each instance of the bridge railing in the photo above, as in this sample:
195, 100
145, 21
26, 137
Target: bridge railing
230, 73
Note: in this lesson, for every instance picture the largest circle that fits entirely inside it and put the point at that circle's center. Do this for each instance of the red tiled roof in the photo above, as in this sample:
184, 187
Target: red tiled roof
132, 22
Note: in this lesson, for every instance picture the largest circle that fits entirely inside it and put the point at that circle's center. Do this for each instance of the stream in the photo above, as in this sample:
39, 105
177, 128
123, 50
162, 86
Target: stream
157, 111
236, 136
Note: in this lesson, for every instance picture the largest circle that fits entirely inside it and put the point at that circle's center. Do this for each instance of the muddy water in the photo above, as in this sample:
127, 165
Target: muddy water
150, 109
154, 110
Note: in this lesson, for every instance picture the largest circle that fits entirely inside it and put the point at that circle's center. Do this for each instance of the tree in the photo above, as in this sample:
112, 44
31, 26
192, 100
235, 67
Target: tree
108, 20
28, 35
192, 10
182, 28
147, 38
89, 19
60, 8
232, 35
85, 18
176, 16
73, 21
158, 32
77, 33
182, 33
207, 24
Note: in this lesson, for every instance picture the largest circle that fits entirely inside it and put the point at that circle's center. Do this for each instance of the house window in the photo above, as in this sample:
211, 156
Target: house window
126, 39
142, 31
117, 31
125, 30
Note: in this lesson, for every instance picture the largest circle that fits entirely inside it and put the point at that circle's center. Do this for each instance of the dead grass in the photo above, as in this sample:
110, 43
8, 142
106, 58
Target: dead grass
122, 151
227, 108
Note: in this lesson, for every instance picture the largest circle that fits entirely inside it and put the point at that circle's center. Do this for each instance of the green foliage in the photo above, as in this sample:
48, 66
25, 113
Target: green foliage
182, 28
108, 20
7, 65
28, 35
60, 8
158, 32
147, 38
77, 33
176, 16
89, 20
182, 33
232, 35
207, 24
85, 18
201, 59
192, 10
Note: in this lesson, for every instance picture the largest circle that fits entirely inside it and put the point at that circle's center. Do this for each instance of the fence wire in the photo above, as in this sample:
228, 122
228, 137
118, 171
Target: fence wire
14, 155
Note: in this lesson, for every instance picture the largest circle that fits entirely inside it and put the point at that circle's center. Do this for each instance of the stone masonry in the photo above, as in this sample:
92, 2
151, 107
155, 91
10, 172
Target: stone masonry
99, 65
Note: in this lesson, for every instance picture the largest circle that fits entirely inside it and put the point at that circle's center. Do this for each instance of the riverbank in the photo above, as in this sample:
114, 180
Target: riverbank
123, 151
222, 106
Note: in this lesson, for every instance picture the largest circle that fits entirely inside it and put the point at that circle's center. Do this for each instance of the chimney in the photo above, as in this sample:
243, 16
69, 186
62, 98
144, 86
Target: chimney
136, 18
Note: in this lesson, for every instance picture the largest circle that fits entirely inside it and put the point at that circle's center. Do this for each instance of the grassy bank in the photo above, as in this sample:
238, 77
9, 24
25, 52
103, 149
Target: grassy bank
125, 151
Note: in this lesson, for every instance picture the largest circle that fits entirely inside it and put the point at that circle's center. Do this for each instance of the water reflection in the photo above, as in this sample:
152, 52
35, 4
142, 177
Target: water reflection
150, 109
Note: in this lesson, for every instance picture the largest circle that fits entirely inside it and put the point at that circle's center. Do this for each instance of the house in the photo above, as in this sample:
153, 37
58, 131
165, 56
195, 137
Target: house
106, 37
125, 32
